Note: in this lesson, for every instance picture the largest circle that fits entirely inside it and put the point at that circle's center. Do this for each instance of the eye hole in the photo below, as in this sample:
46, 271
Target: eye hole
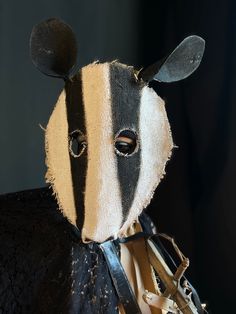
77, 143
126, 143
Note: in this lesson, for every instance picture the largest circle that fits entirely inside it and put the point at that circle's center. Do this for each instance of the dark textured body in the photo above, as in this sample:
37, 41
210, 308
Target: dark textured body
44, 266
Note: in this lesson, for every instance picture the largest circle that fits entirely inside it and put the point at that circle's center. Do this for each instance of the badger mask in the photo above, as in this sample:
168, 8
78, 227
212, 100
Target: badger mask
108, 138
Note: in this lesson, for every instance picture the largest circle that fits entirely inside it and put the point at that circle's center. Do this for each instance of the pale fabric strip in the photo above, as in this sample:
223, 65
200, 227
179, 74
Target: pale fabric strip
58, 159
103, 209
134, 259
159, 302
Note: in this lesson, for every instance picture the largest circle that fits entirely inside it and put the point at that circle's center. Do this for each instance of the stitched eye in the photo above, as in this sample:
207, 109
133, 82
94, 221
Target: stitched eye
126, 143
77, 143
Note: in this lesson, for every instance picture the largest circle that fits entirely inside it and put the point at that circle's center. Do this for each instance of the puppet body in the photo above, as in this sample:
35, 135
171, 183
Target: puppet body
84, 250
45, 268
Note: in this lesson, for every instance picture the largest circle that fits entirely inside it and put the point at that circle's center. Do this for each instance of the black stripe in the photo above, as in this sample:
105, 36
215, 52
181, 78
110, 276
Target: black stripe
125, 92
76, 120
119, 278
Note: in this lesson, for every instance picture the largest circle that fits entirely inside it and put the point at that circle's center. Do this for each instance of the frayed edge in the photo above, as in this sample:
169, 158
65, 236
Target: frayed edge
50, 179
128, 224
41, 127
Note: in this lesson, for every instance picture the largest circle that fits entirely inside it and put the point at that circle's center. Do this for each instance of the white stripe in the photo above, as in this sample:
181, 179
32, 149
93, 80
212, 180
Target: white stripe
103, 209
58, 159
155, 144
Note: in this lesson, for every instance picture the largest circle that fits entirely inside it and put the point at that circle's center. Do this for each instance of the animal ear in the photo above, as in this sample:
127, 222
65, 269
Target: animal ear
53, 48
178, 65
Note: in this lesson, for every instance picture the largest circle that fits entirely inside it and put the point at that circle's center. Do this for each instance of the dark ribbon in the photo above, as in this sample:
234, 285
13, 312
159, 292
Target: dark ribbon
120, 280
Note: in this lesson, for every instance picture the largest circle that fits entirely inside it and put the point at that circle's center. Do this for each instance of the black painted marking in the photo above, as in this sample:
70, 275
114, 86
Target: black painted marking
126, 93
76, 120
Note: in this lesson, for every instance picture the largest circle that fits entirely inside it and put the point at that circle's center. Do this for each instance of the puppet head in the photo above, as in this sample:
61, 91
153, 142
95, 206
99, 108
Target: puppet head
108, 138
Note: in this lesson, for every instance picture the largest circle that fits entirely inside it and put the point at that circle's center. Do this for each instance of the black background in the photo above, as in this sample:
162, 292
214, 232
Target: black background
195, 201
